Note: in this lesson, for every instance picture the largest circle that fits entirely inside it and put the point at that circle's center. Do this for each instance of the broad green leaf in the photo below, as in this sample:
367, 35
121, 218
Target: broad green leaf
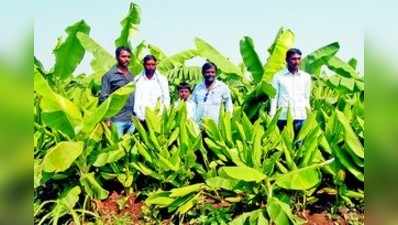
125, 179
142, 132
244, 173
208, 52
348, 83
90, 121
173, 136
153, 138
129, 26
342, 68
270, 162
217, 149
97, 133
212, 129
159, 198
102, 60
179, 192
300, 179
176, 60
142, 150
221, 182
225, 127
118, 99
112, 105
152, 120
166, 164
65, 203
265, 88
346, 161
257, 218
276, 61
138, 51
313, 62
145, 170
70, 53
241, 219
136, 66
353, 63
157, 52
235, 156
59, 122
251, 59
262, 93
60, 157
247, 126
350, 137
257, 144
309, 147
184, 73
188, 205
309, 124
52, 102
109, 157
92, 187
279, 212
261, 219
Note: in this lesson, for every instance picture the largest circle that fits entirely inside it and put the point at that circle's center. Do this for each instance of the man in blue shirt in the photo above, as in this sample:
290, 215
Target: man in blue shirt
210, 94
117, 77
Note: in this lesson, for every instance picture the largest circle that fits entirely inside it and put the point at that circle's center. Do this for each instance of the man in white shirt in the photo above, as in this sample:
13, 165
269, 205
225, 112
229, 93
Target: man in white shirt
184, 93
150, 88
293, 89
210, 94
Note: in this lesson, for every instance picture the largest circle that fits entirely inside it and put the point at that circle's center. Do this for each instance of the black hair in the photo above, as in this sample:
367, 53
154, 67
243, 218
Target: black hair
149, 57
184, 85
120, 49
293, 51
207, 66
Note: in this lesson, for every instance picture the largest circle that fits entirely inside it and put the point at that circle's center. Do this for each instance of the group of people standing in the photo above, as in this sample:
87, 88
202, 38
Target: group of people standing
205, 100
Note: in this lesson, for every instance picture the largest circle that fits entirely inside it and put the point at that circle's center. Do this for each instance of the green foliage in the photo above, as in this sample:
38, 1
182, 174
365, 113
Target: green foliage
70, 52
181, 170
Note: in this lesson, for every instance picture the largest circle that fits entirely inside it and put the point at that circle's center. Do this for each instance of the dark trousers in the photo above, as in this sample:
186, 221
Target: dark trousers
297, 124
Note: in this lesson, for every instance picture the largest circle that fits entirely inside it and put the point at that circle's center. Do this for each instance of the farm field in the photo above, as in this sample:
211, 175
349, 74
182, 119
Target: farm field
241, 170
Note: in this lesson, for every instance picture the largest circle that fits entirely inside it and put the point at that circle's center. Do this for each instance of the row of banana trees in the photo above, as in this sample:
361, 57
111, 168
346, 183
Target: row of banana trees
244, 161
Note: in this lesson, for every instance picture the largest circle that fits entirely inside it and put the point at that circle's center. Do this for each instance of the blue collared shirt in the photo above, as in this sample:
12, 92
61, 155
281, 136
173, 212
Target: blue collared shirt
208, 100
112, 81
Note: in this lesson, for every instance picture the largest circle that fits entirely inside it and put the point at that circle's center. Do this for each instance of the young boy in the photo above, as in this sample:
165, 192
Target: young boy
184, 93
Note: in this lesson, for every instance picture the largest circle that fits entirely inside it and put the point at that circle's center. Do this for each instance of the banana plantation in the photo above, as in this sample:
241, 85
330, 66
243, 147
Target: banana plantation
241, 170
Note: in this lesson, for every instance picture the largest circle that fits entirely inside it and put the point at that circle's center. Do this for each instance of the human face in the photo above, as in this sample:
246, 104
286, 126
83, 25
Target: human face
124, 58
184, 94
150, 67
209, 75
293, 62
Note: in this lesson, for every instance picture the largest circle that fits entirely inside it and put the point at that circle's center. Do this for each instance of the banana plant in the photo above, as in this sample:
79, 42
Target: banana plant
167, 148
243, 160
254, 161
260, 90
67, 135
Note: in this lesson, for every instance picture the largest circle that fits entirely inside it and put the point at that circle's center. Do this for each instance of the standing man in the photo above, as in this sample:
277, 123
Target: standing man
151, 87
117, 77
293, 89
210, 94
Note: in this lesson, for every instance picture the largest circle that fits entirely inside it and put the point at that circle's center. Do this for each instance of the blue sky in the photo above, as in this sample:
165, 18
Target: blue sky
173, 25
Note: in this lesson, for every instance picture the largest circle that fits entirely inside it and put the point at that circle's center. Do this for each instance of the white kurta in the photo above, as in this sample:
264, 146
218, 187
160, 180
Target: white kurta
292, 90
